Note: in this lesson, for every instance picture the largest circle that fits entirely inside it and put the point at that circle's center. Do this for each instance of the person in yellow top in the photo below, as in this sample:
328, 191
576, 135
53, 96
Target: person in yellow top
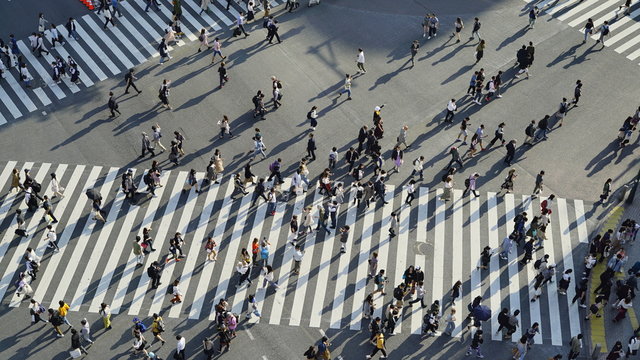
63, 310
380, 346
158, 327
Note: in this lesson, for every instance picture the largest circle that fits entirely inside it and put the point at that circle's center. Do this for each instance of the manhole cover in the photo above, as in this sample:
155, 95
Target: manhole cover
421, 248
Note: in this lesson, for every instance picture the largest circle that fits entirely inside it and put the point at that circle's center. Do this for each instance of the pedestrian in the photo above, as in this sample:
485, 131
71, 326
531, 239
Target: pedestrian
577, 92
48, 210
415, 45
297, 259
137, 251
588, 29
564, 282
241, 21
163, 49
524, 61
521, 348
451, 322
222, 72
411, 192
176, 292
476, 341
360, 62
480, 50
458, 25
380, 280
539, 187
533, 15
274, 168
543, 128
129, 79
626, 6
216, 50
498, 135
113, 105
71, 28
455, 157
108, 16
268, 277
311, 148
75, 342
622, 307
470, 185
604, 31
511, 152
606, 190
380, 346
575, 346
52, 239
272, 30
562, 111
616, 351
347, 87
451, 108
476, 29
163, 95
272, 201
63, 310
633, 346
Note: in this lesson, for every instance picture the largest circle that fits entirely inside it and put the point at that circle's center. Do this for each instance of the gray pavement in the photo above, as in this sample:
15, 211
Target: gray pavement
311, 62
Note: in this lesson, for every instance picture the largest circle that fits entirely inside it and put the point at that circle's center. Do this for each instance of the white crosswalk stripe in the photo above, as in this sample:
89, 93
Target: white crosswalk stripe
98, 266
624, 35
101, 53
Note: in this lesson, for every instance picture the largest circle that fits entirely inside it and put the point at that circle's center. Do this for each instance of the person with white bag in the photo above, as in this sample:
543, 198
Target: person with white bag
77, 347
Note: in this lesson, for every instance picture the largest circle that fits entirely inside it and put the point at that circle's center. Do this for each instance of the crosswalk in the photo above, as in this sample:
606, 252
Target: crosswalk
624, 36
95, 263
103, 53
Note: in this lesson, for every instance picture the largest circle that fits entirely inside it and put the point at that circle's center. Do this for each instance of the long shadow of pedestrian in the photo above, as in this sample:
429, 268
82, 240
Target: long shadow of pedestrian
80, 134
564, 55
195, 100
331, 90
603, 158
453, 52
582, 58
512, 38
387, 77
458, 73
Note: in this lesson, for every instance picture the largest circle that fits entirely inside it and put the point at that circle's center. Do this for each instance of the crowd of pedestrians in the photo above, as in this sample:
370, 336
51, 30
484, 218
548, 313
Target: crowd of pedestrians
368, 173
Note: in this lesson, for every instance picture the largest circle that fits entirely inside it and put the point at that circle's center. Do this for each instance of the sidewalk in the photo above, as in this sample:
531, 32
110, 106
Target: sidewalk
603, 330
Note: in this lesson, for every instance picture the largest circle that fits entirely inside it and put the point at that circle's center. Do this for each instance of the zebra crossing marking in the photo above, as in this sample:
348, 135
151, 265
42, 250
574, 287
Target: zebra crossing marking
84, 57
12, 268
207, 271
119, 293
567, 261
87, 230
82, 287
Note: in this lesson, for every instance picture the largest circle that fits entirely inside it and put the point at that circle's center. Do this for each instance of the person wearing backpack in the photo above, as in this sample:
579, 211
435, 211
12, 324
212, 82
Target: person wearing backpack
312, 116
274, 168
310, 353
604, 31
380, 281
562, 111
56, 320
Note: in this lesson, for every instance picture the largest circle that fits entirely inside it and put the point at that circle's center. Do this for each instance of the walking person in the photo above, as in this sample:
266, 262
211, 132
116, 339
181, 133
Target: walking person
52, 239
604, 31
470, 185
163, 95
575, 345
476, 29
415, 45
75, 342
130, 79
588, 29
480, 50
539, 184
606, 190
216, 46
108, 17
498, 135
163, 49
380, 346
113, 105
240, 21
222, 73
272, 30
511, 152
360, 62
451, 108
48, 210
347, 87
458, 25
533, 16
577, 93
105, 313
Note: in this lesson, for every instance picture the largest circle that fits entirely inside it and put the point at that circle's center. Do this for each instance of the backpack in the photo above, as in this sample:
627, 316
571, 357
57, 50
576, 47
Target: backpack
265, 23
279, 85
201, 38
605, 31
537, 264
140, 326
264, 253
467, 182
160, 325
486, 87
150, 271
378, 279
148, 180
398, 294
309, 115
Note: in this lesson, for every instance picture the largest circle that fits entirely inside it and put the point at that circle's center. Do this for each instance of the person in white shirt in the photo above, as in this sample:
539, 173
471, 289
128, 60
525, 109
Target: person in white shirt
297, 259
411, 192
347, 87
180, 347
451, 107
360, 62
55, 36
418, 167
240, 21
217, 50
52, 238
